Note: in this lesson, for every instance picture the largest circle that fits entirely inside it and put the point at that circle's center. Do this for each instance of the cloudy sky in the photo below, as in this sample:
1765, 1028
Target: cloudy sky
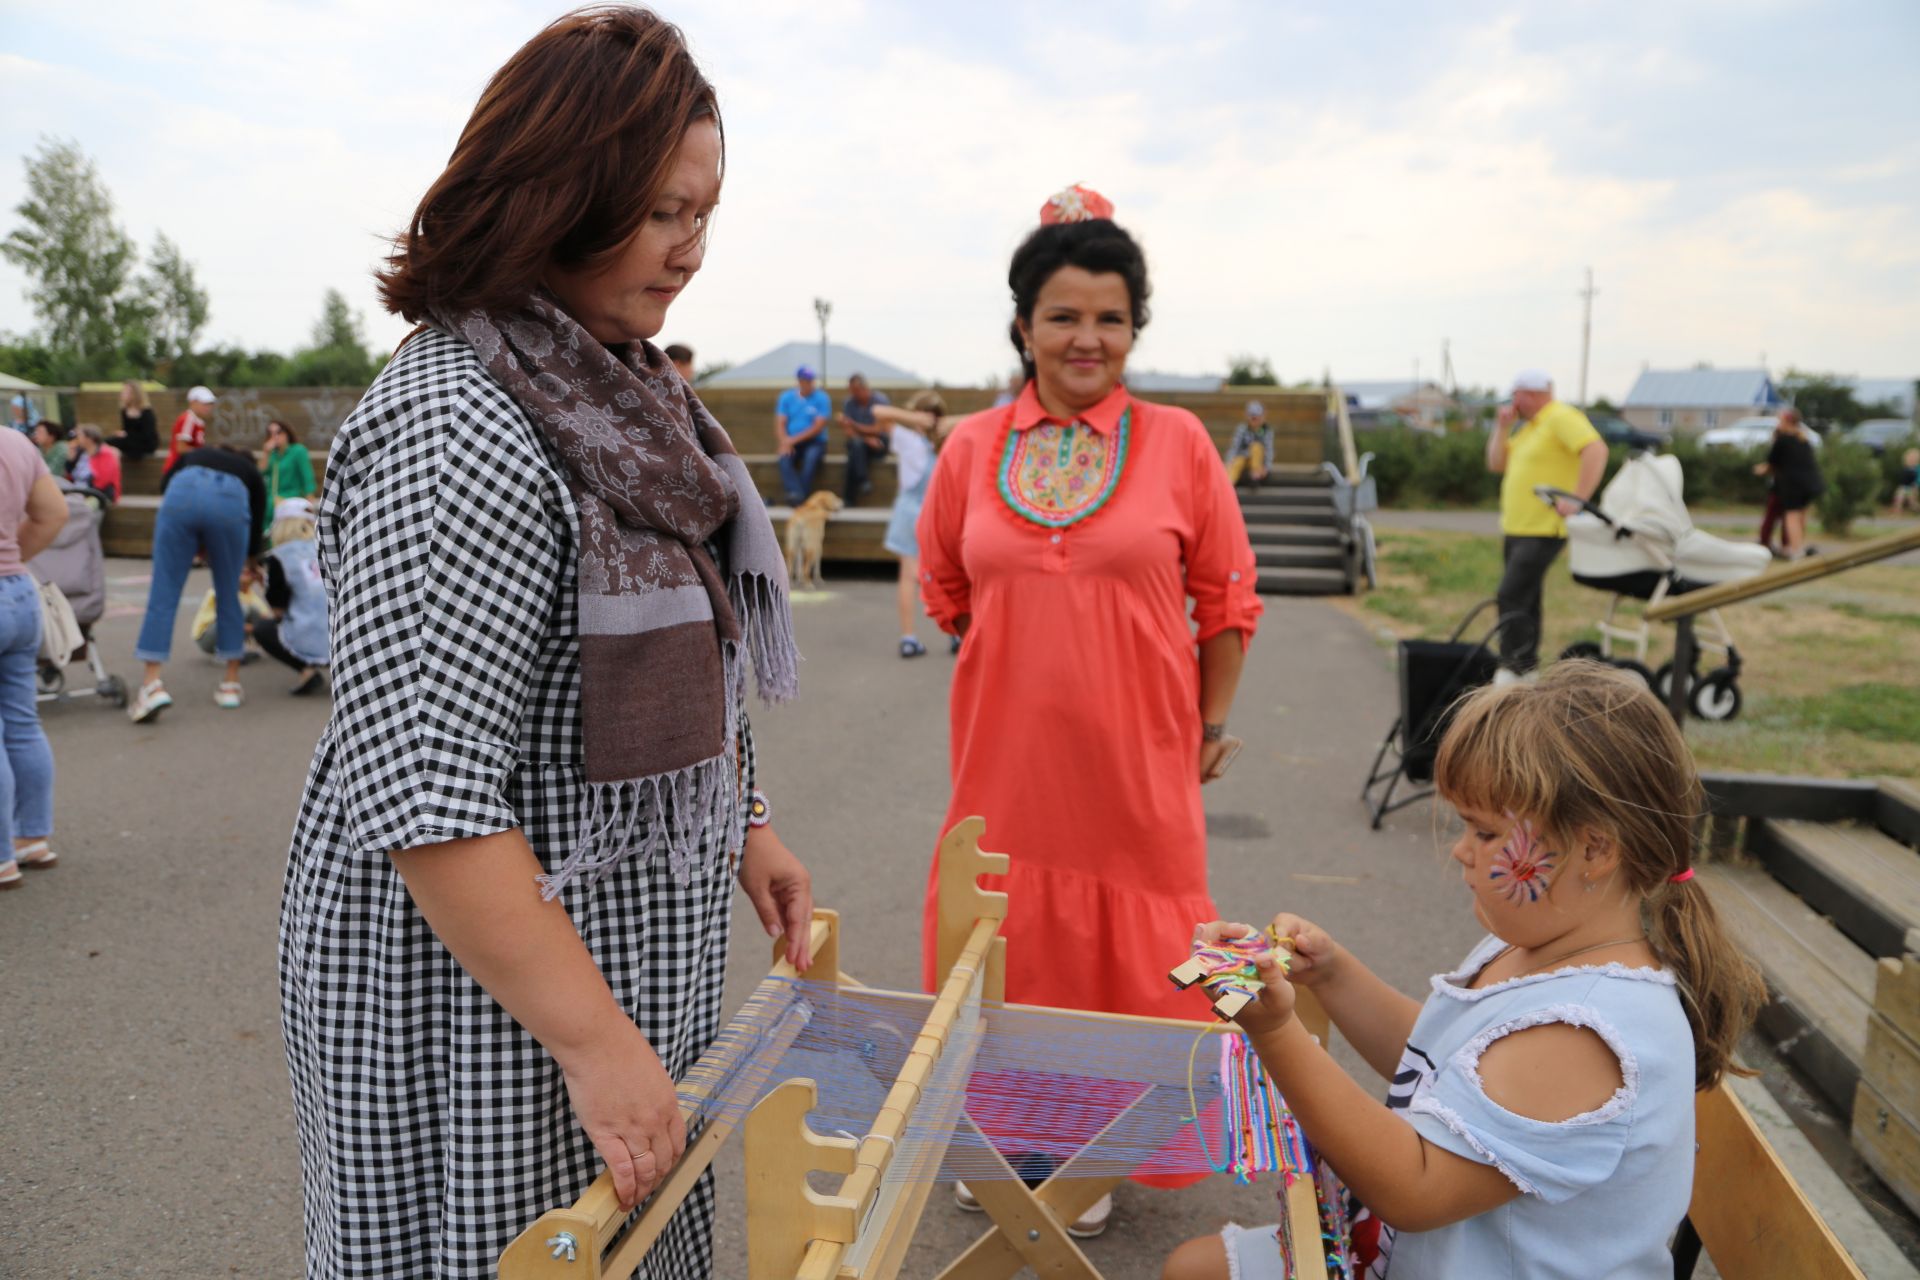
1334, 186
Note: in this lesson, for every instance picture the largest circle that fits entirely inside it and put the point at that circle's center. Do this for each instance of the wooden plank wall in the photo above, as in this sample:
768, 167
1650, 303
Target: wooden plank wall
315, 413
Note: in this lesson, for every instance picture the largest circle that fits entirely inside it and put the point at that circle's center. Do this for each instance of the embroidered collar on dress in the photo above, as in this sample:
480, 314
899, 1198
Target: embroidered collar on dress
1055, 474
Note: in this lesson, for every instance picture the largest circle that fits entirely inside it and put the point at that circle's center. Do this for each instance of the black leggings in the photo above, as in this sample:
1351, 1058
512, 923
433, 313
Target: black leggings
266, 633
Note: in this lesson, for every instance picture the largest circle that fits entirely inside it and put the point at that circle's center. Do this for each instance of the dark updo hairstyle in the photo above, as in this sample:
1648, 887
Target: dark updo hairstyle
1097, 245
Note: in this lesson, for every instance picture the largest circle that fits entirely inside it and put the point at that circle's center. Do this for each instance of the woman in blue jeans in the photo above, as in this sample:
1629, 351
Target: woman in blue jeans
213, 500
31, 513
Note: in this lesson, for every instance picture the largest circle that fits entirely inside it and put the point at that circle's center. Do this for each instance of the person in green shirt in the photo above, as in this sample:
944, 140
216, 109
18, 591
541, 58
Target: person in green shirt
1536, 440
288, 469
51, 440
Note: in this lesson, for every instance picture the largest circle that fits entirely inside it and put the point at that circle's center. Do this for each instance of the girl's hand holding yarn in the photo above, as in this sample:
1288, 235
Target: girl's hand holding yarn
1315, 955
1272, 1005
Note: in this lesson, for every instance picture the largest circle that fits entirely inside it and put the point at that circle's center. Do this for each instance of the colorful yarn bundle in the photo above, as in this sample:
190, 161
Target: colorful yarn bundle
1227, 970
1262, 1135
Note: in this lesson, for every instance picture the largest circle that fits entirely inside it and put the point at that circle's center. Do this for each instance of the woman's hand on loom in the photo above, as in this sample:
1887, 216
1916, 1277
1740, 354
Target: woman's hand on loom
625, 1101
781, 891
1274, 1007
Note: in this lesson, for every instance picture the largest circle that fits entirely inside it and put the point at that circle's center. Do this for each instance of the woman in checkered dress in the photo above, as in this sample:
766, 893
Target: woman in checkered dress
506, 909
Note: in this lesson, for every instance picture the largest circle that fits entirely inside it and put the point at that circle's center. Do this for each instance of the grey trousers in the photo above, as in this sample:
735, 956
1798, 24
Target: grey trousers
1527, 560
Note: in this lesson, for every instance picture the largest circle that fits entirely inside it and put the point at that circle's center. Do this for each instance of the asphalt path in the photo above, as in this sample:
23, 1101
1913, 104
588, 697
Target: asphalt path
146, 1128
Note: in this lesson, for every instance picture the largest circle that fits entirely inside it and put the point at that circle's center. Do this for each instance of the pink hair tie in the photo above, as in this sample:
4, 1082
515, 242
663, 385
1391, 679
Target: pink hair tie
1682, 878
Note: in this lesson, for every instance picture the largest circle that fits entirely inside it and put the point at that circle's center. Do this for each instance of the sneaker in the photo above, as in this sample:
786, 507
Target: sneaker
1093, 1221
228, 696
309, 684
910, 647
149, 703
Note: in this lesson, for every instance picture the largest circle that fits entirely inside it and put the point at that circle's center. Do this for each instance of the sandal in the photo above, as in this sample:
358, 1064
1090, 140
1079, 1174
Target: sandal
150, 702
35, 856
228, 696
10, 876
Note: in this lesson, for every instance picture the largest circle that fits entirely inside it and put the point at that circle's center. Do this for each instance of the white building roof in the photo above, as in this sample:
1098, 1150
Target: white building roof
775, 368
1703, 389
1151, 380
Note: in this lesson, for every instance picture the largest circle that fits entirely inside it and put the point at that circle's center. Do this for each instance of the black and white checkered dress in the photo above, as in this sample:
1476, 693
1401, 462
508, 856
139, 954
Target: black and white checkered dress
432, 1127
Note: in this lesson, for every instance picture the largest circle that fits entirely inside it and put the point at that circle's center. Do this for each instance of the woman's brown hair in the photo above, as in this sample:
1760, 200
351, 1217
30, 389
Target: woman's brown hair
564, 155
286, 429
1588, 748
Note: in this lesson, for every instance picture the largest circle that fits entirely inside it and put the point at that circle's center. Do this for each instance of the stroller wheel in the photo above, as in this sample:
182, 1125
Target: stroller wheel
1638, 670
1663, 681
1582, 649
49, 679
1716, 696
113, 689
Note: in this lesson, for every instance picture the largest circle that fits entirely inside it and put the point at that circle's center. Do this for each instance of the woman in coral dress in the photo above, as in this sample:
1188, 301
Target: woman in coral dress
1062, 536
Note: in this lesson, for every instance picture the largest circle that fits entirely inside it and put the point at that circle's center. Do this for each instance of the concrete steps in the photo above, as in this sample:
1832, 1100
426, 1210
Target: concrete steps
1295, 531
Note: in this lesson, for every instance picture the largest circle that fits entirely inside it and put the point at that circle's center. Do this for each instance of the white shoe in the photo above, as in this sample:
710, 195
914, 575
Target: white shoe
149, 702
10, 876
227, 697
1094, 1220
965, 1199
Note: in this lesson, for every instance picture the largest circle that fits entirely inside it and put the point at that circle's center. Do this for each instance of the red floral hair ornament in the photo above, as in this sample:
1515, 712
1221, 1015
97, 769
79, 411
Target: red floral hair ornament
1075, 204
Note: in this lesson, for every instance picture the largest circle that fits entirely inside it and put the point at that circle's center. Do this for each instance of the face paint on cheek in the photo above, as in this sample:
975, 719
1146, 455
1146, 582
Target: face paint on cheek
1521, 871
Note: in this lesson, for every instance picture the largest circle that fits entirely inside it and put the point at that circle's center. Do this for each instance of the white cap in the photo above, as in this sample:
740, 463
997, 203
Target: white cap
200, 395
292, 509
1254, 406
1532, 380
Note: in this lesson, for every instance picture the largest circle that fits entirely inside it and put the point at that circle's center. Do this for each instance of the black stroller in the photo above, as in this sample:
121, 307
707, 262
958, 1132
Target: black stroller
76, 566
1433, 675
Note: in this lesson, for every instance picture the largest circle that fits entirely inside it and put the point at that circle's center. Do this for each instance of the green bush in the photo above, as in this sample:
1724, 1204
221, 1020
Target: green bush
1853, 486
1890, 465
1718, 473
1414, 468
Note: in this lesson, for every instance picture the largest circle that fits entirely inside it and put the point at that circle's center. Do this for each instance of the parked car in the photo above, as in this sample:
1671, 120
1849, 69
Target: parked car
1747, 433
1617, 430
1881, 434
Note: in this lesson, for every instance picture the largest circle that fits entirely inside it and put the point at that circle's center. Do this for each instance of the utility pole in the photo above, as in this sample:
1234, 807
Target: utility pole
1586, 333
821, 310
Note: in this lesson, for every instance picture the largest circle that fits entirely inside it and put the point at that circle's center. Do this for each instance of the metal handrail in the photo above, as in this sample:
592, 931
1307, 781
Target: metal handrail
1806, 570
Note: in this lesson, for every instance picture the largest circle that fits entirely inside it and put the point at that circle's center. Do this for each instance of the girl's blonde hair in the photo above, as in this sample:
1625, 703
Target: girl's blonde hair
928, 402
1587, 747
291, 529
140, 400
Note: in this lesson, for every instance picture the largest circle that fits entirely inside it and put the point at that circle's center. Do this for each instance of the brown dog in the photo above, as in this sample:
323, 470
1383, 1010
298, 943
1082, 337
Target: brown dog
806, 536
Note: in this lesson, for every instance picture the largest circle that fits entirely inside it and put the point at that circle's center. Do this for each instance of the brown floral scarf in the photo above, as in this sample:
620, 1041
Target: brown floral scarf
679, 572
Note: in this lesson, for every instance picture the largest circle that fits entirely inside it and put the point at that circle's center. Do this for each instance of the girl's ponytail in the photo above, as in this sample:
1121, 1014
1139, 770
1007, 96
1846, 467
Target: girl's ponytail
1719, 986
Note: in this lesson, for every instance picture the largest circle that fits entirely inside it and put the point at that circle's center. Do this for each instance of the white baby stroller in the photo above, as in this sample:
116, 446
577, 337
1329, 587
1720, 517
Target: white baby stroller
1638, 541
76, 568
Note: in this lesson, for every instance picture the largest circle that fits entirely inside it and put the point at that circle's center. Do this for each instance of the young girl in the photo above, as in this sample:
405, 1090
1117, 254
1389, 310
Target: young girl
1539, 1117
914, 431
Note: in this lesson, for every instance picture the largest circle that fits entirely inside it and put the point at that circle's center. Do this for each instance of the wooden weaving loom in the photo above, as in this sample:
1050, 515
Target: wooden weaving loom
862, 1230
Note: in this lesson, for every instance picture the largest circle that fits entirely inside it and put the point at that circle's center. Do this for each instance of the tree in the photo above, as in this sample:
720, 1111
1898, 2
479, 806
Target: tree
78, 259
338, 325
338, 356
175, 304
1250, 371
1823, 399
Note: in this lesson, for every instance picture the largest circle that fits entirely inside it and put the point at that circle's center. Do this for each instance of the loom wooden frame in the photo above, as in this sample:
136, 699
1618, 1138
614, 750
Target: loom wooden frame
797, 1233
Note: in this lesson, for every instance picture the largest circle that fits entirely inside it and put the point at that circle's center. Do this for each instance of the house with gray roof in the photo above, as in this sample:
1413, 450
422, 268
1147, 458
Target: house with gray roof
774, 369
1895, 392
1689, 401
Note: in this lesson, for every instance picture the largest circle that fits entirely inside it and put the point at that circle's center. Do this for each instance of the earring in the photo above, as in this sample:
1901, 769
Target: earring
1586, 883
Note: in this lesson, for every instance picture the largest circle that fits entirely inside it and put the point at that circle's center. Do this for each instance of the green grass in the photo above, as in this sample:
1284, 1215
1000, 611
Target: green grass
1868, 614
1828, 673
1881, 712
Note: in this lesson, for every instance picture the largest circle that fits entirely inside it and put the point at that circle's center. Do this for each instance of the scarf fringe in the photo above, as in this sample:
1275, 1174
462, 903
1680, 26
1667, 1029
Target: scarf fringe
643, 817
760, 604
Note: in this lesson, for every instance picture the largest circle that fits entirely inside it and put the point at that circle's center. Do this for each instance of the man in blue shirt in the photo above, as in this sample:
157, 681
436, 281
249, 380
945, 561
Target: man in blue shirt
866, 439
800, 432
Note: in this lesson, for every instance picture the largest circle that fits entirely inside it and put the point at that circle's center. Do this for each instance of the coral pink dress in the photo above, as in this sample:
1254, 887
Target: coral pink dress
1075, 722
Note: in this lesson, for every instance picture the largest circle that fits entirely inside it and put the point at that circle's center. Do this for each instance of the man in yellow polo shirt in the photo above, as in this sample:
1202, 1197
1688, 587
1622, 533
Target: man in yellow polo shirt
1536, 440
